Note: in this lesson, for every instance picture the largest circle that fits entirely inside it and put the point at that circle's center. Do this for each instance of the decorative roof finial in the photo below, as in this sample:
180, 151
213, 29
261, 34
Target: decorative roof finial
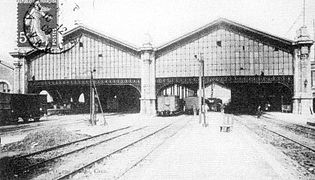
147, 40
302, 34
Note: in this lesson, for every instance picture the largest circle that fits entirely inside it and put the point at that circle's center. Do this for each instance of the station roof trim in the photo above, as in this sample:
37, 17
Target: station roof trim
95, 32
221, 21
231, 23
7, 65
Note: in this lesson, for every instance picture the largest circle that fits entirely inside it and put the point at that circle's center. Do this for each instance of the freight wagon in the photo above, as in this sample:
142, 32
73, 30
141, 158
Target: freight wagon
191, 103
24, 106
168, 105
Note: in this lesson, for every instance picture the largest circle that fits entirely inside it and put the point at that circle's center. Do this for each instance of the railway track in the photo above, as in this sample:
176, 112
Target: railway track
67, 160
121, 160
70, 143
303, 134
30, 162
306, 130
22, 128
88, 165
86, 159
147, 154
49, 159
300, 151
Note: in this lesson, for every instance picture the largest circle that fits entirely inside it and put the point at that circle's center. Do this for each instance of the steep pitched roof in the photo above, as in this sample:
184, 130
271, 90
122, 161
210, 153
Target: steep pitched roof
221, 22
7, 65
233, 25
84, 28
30, 52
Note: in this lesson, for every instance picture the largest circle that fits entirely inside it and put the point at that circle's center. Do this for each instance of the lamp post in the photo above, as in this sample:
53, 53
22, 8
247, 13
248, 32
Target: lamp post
202, 115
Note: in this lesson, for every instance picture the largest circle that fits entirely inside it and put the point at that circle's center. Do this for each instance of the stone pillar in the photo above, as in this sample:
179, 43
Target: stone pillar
302, 99
21, 72
148, 95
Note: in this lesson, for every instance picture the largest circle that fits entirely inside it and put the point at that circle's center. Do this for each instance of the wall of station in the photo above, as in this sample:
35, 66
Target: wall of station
109, 61
226, 53
232, 54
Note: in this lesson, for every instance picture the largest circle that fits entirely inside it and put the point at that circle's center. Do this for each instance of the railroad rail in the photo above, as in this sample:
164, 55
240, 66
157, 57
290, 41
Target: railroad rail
290, 139
150, 152
29, 127
302, 129
34, 166
70, 143
90, 164
300, 155
60, 158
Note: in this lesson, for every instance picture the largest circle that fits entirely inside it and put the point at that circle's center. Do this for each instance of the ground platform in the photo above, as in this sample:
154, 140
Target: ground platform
206, 153
196, 152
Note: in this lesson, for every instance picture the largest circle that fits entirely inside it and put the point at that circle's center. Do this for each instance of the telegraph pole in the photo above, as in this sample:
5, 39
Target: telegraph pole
201, 98
203, 90
92, 100
19, 65
314, 37
200, 91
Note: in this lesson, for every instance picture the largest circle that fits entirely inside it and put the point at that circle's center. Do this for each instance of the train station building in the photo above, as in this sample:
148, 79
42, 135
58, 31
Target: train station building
256, 67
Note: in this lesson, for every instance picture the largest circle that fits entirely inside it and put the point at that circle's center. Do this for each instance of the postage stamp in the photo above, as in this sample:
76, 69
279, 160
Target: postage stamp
38, 27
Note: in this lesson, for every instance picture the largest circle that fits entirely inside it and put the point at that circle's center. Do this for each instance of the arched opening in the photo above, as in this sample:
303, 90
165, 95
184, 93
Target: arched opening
5, 86
76, 98
80, 103
177, 90
49, 97
119, 98
245, 98
277, 95
216, 90
172, 98
81, 98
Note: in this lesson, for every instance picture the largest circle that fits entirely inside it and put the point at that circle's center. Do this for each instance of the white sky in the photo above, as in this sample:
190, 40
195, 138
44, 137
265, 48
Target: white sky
166, 20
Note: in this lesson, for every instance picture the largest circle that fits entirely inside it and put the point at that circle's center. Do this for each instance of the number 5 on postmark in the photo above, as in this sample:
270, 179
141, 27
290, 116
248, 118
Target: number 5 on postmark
36, 23
38, 28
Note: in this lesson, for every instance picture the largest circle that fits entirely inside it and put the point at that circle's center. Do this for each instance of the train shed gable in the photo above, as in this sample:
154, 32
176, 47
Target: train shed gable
102, 37
222, 23
110, 58
228, 49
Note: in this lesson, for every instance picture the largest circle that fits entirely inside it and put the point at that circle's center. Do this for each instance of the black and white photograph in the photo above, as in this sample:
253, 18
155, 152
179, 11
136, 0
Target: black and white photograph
157, 89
